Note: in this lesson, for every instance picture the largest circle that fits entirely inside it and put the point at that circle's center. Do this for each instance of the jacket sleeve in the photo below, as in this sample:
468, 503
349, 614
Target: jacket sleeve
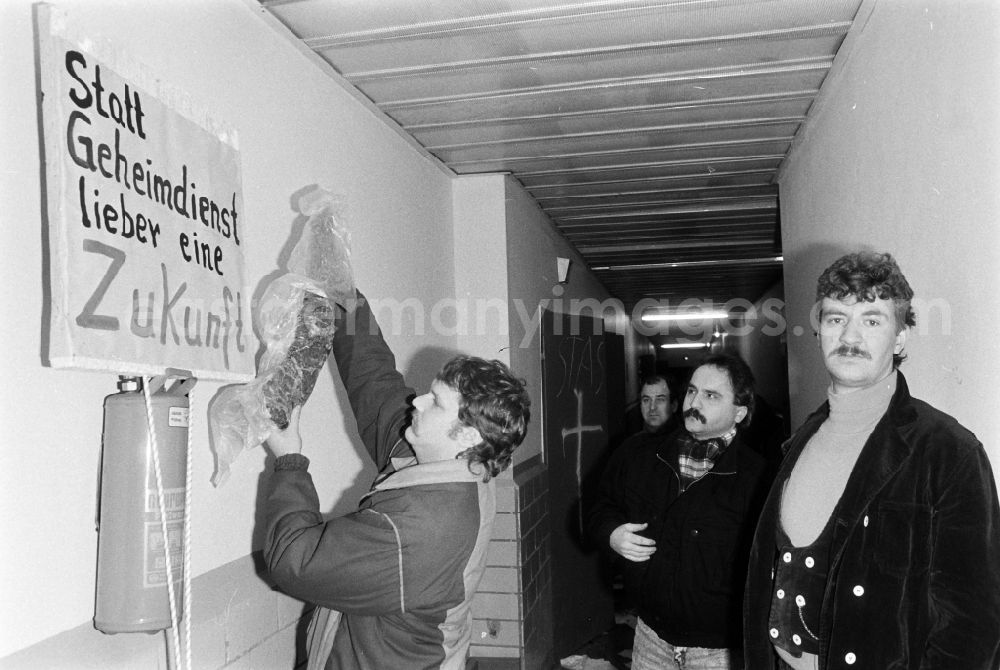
350, 564
755, 495
609, 509
378, 395
965, 569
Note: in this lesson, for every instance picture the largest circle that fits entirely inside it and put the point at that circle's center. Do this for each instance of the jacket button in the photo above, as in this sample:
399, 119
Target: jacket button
850, 658
800, 601
866, 521
774, 633
810, 562
859, 590
780, 593
787, 557
796, 639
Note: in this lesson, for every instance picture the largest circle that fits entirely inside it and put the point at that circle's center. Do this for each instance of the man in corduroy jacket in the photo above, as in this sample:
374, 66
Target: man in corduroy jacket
879, 545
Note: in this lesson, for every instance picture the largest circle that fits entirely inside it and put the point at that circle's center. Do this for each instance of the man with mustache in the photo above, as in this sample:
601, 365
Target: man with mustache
680, 510
879, 544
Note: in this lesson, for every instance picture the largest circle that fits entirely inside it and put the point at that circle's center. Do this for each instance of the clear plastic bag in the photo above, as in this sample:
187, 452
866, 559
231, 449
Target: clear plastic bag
323, 253
295, 320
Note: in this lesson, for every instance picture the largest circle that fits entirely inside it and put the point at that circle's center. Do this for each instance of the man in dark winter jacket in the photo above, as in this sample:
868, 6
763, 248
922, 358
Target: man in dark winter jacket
658, 405
393, 582
680, 510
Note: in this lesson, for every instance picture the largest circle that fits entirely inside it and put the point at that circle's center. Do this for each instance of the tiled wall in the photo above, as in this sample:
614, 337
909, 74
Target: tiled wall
237, 623
512, 608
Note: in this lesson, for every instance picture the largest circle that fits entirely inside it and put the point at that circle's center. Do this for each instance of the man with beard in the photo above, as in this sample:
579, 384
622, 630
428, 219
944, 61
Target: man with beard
879, 545
681, 512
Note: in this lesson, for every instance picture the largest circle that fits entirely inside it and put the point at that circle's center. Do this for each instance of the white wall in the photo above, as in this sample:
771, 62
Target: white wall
533, 245
296, 128
481, 265
904, 157
760, 341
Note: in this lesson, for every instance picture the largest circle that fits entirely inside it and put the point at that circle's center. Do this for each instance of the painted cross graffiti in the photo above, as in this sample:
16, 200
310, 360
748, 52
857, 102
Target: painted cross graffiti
578, 432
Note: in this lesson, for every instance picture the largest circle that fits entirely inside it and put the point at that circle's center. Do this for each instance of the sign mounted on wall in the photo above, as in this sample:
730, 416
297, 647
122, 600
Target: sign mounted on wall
144, 219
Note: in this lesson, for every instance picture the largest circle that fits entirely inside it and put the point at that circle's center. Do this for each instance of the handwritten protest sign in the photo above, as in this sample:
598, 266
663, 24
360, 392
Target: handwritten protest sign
145, 220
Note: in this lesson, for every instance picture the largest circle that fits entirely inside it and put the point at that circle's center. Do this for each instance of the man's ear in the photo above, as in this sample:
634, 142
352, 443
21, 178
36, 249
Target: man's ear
741, 413
900, 341
469, 436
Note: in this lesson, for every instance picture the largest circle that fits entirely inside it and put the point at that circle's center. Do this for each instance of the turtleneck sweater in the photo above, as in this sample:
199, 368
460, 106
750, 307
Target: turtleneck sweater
818, 479
820, 475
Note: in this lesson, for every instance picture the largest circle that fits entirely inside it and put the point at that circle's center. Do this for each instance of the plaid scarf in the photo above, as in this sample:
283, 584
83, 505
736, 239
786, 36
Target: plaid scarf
696, 458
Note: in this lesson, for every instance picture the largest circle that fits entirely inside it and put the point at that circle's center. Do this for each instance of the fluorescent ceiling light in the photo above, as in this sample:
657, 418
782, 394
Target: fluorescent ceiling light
685, 316
736, 262
685, 345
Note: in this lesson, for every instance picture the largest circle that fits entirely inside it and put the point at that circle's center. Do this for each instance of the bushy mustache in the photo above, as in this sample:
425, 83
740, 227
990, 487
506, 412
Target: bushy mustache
848, 350
692, 413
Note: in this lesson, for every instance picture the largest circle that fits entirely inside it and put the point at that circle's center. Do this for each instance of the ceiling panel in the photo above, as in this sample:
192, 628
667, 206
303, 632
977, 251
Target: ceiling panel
650, 131
487, 75
636, 118
676, 90
623, 137
527, 165
650, 171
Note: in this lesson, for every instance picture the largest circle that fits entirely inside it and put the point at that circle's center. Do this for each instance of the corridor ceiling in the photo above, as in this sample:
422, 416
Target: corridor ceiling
649, 131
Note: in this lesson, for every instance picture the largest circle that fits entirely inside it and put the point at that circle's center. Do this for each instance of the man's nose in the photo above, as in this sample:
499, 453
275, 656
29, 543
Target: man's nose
420, 402
851, 332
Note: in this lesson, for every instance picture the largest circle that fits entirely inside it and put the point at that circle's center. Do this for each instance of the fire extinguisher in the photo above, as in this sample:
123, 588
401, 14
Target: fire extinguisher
132, 594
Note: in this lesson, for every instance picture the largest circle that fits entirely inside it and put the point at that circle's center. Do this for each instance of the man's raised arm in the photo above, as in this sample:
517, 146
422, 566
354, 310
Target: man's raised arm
378, 395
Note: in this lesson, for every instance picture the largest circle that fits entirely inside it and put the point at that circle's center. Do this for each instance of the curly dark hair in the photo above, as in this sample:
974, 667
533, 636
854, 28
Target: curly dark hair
494, 402
865, 276
740, 376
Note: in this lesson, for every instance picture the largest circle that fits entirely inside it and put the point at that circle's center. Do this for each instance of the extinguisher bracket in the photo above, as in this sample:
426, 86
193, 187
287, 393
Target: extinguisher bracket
183, 382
